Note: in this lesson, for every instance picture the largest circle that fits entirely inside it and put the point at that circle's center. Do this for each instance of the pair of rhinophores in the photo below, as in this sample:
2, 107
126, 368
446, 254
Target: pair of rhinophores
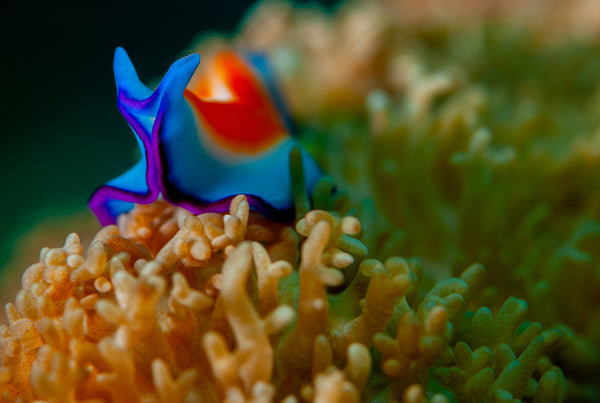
209, 132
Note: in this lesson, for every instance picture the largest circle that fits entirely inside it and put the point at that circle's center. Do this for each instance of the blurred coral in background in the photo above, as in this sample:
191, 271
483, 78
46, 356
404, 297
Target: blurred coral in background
458, 260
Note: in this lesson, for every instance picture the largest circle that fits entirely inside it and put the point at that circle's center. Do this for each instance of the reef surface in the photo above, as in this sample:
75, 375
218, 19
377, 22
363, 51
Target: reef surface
457, 261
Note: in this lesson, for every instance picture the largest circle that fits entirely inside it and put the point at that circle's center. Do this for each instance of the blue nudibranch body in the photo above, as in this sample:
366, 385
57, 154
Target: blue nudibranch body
206, 134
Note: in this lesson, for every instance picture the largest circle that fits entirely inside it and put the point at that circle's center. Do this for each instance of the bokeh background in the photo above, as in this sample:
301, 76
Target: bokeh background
62, 135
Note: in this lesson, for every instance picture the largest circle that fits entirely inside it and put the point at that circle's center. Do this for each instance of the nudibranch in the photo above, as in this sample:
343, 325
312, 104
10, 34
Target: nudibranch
209, 132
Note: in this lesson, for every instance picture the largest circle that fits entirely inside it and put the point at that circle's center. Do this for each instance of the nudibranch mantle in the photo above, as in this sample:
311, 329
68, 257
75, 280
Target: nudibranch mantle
207, 133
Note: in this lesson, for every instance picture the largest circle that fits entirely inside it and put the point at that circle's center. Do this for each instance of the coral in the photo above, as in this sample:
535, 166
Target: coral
201, 316
503, 358
469, 134
227, 310
451, 256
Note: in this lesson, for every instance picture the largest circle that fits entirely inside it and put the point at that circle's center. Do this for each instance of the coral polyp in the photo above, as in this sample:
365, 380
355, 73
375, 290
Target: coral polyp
170, 306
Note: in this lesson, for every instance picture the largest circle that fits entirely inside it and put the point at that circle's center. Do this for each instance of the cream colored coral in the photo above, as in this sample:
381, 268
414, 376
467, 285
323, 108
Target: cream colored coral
123, 323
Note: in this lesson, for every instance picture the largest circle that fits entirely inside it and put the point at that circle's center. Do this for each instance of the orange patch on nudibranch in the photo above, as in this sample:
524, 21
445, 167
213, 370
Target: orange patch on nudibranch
233, 105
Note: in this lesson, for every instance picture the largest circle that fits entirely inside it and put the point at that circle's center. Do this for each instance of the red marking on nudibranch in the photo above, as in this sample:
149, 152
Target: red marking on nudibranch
233, 106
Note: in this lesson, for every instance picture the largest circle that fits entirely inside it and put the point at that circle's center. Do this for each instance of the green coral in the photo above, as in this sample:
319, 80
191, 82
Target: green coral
501, 166
501, 358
